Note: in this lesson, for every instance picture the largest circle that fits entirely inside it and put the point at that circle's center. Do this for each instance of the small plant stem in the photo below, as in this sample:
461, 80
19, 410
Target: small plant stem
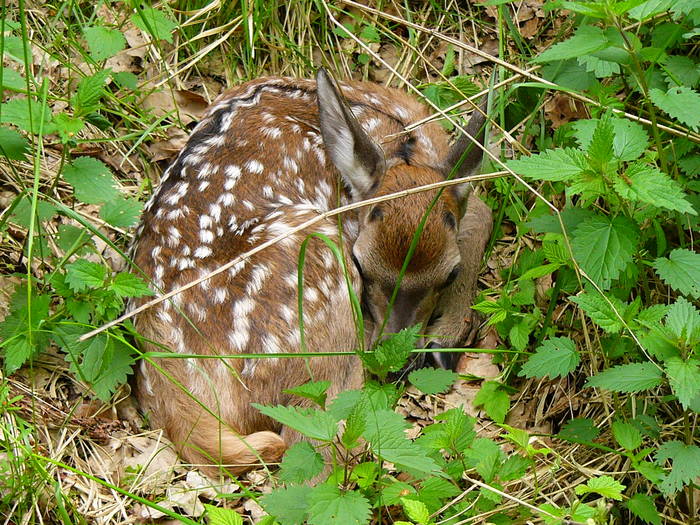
641, 79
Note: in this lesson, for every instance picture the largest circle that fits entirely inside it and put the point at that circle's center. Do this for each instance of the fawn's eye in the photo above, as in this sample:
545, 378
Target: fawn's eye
453, 275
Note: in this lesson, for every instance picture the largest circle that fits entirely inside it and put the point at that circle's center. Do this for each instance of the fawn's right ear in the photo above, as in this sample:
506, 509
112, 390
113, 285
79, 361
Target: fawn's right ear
358, 158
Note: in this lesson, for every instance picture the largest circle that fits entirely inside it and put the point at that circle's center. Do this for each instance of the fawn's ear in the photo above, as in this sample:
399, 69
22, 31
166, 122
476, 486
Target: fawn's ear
465, 157
358, 158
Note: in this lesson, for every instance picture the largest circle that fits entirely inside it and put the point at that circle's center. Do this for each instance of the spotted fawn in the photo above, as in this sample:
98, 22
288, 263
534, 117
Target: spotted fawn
269, 155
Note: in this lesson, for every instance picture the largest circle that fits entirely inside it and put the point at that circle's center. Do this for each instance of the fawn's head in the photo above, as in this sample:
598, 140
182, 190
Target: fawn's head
387, 229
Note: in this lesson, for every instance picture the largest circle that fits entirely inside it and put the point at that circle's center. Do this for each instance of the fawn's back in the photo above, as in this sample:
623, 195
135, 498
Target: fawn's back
263, 160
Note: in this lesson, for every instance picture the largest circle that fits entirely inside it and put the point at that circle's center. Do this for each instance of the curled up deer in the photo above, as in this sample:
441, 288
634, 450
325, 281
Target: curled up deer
269, 155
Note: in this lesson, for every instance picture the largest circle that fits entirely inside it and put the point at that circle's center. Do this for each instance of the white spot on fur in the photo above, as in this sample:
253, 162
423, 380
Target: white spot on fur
206, 236
272, 133
220, 295
254, 166
205, 221
257, 279
267, 192
202, 252
203, 185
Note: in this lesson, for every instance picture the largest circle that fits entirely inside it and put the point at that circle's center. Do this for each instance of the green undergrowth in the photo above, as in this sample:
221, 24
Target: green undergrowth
597, 299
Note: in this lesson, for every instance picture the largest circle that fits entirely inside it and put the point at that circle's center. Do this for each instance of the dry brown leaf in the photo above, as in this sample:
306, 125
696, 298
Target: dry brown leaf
154, 459
561, 109
190, 105
530, 28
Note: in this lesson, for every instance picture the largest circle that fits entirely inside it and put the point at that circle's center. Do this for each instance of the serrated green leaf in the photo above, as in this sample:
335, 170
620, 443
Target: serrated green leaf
514, 467
313, 390
314, 424
434, 491
629, 141
68, 127
70, 236
391, 354
90, 91
602, 311
485, 456
579, 430
681, 271
329, 506
606, 486
681, 71
91, 179
121, 362
16, 352
432, 380
13, 145
342, 405
683, 320
682, 103
416, 511
494, 399
17, 112
556, 357
519, 334
599, 67
633, 377
12, 81
121, 212
22, 213
684, 378
82, 274
586, 40
600, 149
603, 247
685, 460
643, 507
627, 435
385, 434
129, 285
289, 505
103, 42
369, 33
552, 164
14, 48
156, 23
300, 463
647, 184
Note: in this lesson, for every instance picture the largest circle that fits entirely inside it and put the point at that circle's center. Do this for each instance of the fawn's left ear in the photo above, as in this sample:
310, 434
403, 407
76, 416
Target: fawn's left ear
358, 158
465, 157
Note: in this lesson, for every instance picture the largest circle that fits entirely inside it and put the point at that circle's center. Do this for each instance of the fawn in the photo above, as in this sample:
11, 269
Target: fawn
269, 155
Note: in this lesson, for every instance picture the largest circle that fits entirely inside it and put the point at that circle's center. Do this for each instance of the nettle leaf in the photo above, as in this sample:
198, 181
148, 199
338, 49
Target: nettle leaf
603, 247
91, 179
387, 439
391, 354
129, 285
156, 23
552, 164
301, 462
289, 505
22, 213
432, 380
632, 377
645, 183
90, 91
684, 378
13, 145
494, 399
121, 212
27, 118
313, 423
643, 507
606, 486
82, 274
219, 516
600, 149
328, 505
313, 390
585, 41
683, 320
630, 139
685, 465
681, 271
103, 42
556, 357
682, 103
13, 81
416, 511
68, 127
627, 435
602, 311
681, 71
579, 430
